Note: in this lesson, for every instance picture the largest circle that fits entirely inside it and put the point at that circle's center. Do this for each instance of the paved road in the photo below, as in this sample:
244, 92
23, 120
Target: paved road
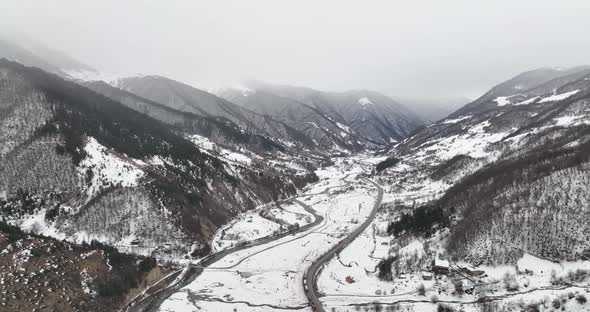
310, 276
152, 302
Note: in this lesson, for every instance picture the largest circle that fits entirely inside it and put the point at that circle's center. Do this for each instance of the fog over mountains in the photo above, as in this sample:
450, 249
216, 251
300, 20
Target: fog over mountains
417, 50
151, 192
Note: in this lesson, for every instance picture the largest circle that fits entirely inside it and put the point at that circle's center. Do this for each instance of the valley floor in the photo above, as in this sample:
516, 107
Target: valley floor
268, 275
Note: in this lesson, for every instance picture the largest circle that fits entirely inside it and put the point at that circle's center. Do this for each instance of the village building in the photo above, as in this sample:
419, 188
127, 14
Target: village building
440, 266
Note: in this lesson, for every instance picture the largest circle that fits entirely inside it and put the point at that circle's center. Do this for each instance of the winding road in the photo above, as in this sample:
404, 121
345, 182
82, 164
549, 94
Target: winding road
152, 302
311, 274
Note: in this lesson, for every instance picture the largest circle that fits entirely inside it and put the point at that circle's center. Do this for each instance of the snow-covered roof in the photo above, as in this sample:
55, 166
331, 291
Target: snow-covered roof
441, 263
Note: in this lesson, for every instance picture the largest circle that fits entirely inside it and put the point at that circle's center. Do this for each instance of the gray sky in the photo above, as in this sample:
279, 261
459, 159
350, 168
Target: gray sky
404, 48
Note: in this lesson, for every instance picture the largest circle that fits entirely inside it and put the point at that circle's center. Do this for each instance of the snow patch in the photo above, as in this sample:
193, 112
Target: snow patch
526, 102
205, 145
343, 127
570, 120
245, 90
91, 75
365, 101
37, 224
415, 247
558, 97
503, 100
107, 168
456, 120
85, 281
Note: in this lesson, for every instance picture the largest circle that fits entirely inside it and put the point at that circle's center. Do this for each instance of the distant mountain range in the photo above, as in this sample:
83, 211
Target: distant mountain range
434, 109
185, 159
156, 167
32, 53
353, 119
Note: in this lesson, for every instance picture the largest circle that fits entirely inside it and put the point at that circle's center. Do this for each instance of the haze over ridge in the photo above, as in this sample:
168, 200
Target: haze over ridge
418, 50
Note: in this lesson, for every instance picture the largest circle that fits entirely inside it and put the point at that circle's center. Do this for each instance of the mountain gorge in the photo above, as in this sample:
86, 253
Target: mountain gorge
354, 119
149, 194
184, 98
90, 162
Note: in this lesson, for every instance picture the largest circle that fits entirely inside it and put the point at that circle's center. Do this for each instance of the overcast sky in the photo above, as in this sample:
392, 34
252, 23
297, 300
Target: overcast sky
402, 48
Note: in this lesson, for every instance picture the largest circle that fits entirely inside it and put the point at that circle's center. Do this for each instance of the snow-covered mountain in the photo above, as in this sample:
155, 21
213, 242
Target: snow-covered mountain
218, 129
32, 53
510, 167
310, 120
434, 109
153, 166
539, 81
355, 119
75, 165
321, 128
184, 98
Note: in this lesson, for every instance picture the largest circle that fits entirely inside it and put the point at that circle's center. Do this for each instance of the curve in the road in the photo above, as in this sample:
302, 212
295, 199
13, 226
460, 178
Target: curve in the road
310, 276
318, 219
152, 302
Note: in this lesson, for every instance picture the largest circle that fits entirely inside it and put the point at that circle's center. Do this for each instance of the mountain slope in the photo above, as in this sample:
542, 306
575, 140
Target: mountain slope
218, 129
42, 272
318, 126
185, 98
32, 53
78, 165
538, 81
432, 110
511, 174
369, 118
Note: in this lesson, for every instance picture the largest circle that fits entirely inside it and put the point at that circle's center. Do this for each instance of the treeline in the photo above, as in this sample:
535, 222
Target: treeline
220, 130
39, 167
389, 162
13, 233
79, 111
126, 273
195, 188
421, 221
534, 201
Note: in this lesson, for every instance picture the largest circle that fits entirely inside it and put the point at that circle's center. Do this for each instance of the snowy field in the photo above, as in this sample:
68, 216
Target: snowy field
350, 282
270, 276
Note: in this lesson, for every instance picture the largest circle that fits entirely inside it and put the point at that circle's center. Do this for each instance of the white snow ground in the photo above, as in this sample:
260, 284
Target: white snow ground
268, 277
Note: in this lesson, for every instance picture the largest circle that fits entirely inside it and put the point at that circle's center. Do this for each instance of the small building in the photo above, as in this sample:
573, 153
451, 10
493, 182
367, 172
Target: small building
427, 276
470, 271
440, 266
167, 248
